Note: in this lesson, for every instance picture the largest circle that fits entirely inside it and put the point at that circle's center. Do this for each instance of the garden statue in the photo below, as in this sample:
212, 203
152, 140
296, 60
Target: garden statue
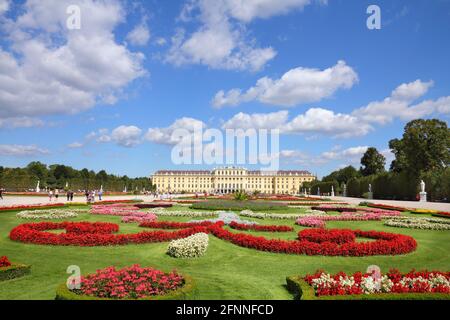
423, 194
370, 194
345, 190
38, 189
332, 191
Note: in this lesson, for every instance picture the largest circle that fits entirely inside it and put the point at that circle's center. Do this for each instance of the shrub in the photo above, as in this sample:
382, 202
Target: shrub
14, 271
239, 205
191, 247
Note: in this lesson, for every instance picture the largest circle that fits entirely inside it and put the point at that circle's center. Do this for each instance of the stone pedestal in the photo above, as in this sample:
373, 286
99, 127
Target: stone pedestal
370, 196
423, 197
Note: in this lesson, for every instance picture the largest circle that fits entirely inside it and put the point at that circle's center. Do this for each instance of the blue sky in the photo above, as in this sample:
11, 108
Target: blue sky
109, 95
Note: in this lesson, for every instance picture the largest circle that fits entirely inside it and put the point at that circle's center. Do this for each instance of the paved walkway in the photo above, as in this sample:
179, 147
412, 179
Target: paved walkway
14, 200
408, 204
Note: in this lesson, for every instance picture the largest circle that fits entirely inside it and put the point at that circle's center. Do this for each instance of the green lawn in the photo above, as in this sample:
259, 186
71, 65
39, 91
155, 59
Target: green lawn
226, 272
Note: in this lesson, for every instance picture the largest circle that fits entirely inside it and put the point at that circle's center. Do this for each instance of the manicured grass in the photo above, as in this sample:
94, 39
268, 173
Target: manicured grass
239, 205
225, 272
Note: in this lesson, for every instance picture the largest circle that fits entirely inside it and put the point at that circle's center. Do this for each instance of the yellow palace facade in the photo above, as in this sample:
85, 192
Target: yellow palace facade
229, 180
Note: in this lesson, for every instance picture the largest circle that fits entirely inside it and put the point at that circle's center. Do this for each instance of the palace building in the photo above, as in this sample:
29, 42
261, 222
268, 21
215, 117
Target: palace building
230, 180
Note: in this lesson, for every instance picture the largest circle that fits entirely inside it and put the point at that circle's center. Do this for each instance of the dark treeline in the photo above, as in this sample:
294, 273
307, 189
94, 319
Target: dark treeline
423, 153
57, 176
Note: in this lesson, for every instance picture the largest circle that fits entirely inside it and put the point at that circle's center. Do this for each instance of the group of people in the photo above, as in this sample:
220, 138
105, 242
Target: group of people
53, 194
91, 194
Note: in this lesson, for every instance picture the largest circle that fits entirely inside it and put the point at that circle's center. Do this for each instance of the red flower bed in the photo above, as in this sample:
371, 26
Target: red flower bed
328, 208
255, 227
116, 201
75, 235
32, 207
78, 234
152, 205
393, 282
442, 214
387, 207
174, 225
385, 244
339, 236
129, 283
4, 262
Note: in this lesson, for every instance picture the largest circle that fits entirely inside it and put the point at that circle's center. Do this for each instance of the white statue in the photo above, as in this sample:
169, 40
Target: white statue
332, 191
370, 187
38, 189
422, 186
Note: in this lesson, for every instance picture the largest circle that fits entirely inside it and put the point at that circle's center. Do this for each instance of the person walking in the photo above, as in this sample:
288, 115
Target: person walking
1, 192
100, 194
50, 195
68, 195
71, 195
56, 195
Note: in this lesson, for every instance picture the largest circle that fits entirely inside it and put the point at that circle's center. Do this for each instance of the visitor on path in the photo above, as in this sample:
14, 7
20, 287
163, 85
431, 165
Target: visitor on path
100, 194
50, 195
86, 193
56, 195
68, 195
1, 193
71, 195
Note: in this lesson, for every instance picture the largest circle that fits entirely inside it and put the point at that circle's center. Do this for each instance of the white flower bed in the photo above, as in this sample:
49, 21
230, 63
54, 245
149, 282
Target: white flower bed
191, 214
191, 247
50, 214
280, 216
227, 218
419, 223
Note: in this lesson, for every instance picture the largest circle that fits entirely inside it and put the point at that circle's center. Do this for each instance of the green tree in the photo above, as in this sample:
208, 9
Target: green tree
37, 170
425, 146
372, 162
343, 175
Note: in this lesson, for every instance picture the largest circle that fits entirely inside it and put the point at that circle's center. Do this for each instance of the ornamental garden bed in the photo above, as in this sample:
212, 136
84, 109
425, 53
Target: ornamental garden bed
414, 285
387, 207
233, 205
442, 215
32, 207
153, 205
130, 283
9, 271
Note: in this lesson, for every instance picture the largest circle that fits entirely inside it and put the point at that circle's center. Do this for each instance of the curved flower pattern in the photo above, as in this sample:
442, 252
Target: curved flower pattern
191, 247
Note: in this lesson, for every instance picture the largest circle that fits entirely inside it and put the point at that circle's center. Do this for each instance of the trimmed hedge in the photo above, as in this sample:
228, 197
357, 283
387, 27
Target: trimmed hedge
187, 292
303, 291
233, 205
14, 271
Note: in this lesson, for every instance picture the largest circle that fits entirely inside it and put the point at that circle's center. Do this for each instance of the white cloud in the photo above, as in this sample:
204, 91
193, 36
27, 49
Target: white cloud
4, 6
126, 136
15, 150
161, 41
244, 121
20, 122
297, 86
353, 154
221, 42
63, 71
399, 105
76, 145
140, 35
167, 135
322, 121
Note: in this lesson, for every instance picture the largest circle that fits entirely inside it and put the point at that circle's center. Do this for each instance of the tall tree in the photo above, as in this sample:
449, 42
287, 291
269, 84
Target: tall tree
343, 175
372, 162
425, 146
38, 170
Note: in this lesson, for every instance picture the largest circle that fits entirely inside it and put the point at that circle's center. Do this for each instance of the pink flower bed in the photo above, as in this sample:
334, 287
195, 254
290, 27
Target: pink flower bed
139, 217
367, 215
113, 210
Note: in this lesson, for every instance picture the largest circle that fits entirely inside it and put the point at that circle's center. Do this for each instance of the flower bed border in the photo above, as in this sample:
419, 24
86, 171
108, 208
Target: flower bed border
303, 291
187, 292
32, 207
14, 271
